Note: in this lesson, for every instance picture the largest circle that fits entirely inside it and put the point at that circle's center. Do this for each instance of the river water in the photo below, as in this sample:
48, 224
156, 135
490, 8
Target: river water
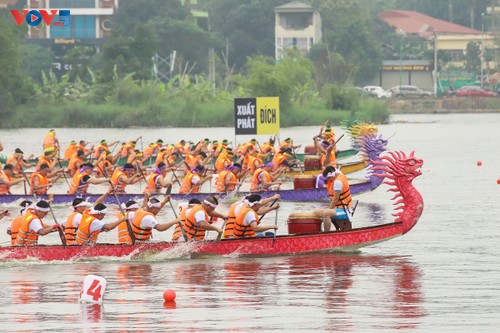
442, 276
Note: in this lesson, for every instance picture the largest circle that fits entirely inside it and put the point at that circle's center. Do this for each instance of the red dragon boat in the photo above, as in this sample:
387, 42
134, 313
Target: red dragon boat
398, 169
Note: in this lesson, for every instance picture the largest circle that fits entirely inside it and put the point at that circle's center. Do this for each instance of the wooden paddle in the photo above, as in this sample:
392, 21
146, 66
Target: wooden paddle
276, 230
129, 227
169, 189
61, 233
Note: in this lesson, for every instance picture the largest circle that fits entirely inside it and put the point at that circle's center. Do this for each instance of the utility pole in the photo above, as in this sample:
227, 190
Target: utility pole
435, 64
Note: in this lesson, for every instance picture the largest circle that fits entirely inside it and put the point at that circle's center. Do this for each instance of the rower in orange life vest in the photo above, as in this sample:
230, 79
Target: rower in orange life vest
228, 178
224, 160
194, 180
32, 226
198, 219
339, 211
124, 176
288, 143
75, 162
91, 224
70, 150
103, 147
81, 180
177, 235
13, 229
157, 179
328, 135
145, 220
6, 179
326, 151
50, 142
247, 221
282, 160
18, 162
268, 146
263, 179
129, 208
41, 180
235, 208
153, 148
70, 226
104, 165
47, 158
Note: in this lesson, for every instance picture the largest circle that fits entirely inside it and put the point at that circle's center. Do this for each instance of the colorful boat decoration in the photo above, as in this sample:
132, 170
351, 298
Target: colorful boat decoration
398, 168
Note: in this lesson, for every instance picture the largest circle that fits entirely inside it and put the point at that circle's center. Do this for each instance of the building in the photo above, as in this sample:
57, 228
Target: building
297, 26
90, 22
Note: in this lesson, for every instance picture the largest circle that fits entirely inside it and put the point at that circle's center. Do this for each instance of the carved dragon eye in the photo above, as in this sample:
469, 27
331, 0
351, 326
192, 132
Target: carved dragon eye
412, 162
380, 141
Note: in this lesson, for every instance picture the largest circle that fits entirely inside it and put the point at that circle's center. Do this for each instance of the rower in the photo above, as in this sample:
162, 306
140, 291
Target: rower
157, 179
263, 179
72, 222
6, 179
83, 178
13, 229
145, 220
177, 235
198, 219
247, 222
129, 208
91, 223
339, 210
194, 180
228, 178
41, 180
124, 176
32, 226
50, 142
18, 162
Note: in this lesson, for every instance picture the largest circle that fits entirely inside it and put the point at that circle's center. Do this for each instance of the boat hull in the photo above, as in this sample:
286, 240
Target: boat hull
346, 168
313, 194
346, 241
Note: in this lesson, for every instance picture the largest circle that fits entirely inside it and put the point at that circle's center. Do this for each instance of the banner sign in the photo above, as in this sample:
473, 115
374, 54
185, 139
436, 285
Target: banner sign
257, 115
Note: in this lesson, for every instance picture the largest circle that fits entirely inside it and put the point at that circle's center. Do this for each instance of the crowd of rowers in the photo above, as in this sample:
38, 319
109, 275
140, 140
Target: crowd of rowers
192, 222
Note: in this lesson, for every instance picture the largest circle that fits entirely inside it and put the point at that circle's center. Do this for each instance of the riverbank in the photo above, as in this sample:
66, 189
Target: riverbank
445, 105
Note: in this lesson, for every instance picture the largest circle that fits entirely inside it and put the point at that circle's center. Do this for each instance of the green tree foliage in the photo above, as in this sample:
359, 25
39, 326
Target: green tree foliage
347, 31
14, 87
472, 57
35, 59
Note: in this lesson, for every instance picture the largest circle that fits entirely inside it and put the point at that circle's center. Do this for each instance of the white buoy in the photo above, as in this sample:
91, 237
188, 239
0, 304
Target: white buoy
93, 289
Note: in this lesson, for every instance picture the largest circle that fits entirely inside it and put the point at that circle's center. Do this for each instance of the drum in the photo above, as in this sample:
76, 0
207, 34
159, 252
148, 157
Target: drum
304, 181
301, 223
312, 162
311, 150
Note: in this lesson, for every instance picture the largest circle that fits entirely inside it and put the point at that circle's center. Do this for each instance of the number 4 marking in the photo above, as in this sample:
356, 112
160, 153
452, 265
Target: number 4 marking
95, 290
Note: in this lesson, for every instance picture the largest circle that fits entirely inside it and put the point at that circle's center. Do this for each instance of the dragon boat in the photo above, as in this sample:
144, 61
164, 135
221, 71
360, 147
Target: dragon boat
397, 168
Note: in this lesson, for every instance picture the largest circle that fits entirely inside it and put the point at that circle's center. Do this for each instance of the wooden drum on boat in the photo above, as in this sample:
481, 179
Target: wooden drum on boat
301, 223
310, 150
312, 162
304, 181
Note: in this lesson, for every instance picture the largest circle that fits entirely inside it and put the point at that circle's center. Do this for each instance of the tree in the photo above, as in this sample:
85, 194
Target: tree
472, 57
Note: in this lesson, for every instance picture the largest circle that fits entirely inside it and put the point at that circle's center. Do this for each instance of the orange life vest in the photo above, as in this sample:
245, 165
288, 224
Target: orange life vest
42, 180
14, 229
49, 142
221, 162
278, 160
187, 185
24, 236
256, 179
116, 181
70, 229
4, 188
83, 235
77, 185
127, 149
123, 235
333, 159
231, 214
141, 234
221, 182
69, 151
41, 160
152, 185
267, 147
241, 230
190, 227
182, 217
253, 163
74, 163
99, 150
345, 196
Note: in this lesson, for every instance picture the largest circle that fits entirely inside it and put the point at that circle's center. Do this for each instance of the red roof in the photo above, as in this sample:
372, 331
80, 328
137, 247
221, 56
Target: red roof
417, 23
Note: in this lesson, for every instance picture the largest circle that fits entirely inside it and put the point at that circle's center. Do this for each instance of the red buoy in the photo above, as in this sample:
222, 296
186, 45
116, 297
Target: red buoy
169, 295
479, 163
498, 181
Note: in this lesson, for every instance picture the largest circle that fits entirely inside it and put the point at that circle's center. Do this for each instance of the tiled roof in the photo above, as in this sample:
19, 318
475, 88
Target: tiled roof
417, 23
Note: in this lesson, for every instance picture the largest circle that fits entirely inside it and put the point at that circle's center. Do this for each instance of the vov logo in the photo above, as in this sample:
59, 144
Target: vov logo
35, 16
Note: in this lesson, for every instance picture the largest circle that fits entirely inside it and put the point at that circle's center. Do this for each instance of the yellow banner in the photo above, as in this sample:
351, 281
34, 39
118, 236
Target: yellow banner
268, 115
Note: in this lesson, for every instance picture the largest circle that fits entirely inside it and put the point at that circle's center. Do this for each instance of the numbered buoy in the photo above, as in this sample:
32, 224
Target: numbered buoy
169, 295
93, 289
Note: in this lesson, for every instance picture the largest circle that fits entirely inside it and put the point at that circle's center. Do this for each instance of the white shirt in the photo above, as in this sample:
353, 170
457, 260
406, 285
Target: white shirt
35, 225
149, 221
198, 217
195, 180
249, 218
76, 220
96, 225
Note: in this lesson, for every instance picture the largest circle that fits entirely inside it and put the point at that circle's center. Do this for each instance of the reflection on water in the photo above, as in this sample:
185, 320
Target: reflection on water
322, 292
